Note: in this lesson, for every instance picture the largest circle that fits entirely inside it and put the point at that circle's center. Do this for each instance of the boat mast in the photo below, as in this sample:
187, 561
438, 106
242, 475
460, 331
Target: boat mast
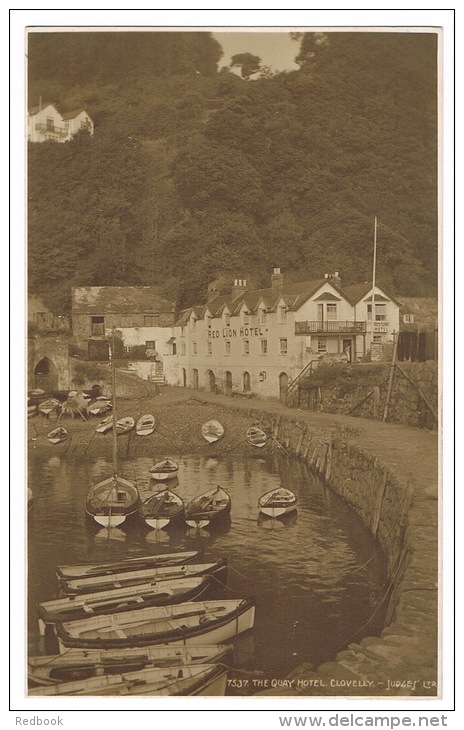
113, 377
373, 281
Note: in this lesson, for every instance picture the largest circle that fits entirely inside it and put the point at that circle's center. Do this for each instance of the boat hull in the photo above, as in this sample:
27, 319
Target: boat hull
112, 501
146, 561
278, 511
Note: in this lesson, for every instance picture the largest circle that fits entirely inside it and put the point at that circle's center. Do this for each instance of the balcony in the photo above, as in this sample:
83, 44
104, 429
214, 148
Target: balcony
51, 129
342, 326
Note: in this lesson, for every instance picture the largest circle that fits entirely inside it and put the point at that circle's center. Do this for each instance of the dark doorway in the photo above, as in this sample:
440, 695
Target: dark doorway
228, 383
246, 382
46, 375
195, 378
283, 386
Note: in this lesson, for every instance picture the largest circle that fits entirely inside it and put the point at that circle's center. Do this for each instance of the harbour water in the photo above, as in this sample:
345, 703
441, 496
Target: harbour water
316, 574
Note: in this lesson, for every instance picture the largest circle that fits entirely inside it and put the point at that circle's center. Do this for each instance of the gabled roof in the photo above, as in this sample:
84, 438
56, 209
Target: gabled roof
73, 114
120, 300
327, 296
355, 292
40, 107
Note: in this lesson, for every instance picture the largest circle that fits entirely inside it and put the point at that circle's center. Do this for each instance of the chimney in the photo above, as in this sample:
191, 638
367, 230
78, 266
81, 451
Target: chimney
334, 279
212, 293
239, 287
277, 283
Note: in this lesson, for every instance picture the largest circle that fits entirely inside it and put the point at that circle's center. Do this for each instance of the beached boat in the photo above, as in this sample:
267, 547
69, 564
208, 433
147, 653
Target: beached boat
196, 679
84, 663
117, 600
145, 425
105, 425
124, 425
256, 436
277, 502
194, 622
121, 566
208, 507
31, 409
49, 405
57, 435
212, 431
164, 470
97, 407
162, 509
90, 584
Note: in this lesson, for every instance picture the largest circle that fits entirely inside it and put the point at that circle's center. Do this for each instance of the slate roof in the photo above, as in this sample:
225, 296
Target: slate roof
73, 114
36, 109
355, 292
120, 300
424, 309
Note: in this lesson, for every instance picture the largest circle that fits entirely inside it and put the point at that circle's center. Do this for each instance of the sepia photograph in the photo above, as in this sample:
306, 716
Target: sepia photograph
233, 287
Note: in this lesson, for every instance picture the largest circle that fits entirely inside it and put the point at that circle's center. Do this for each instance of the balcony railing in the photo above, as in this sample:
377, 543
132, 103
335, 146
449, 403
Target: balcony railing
43, 127
329, 327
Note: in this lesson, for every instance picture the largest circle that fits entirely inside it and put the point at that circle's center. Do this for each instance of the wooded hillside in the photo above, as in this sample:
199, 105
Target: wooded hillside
194, 173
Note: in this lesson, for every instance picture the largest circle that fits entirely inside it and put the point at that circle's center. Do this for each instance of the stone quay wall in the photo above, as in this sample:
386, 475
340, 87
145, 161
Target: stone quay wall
335, 389
404, 520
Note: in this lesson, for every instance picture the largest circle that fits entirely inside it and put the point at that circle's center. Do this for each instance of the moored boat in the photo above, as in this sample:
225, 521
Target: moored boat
277, 502
105, 425
57, 435
117, 600
121, 566
196, 679
145, 425
136, 577
124, 425
83, 663
212, 431
164, 470
112, 501
208, 507
199, 622
162, 509
256, 436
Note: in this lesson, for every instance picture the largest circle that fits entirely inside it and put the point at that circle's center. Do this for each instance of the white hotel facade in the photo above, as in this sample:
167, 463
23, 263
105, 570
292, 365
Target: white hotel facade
258, 341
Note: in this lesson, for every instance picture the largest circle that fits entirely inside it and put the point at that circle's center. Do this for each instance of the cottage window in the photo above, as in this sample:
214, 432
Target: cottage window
227, 320
322, 346
50, 125
377, 339
209, 347
408, 318
182, 331
246, 318
380, 312
332, 312
194, 324
283, 346
283, 315
97, 326
227, 344
263, 347
262, 316
194, 348
150, 344
246, 347
151, 320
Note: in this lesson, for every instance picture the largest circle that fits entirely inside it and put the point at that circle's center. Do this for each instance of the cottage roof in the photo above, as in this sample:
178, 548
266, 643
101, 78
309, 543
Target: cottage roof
73, 114
424, 309
40, 107
120, 300
355, 292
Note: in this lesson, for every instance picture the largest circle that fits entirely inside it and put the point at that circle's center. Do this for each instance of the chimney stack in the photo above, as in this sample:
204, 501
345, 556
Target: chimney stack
334, 279
277, 283
239, 287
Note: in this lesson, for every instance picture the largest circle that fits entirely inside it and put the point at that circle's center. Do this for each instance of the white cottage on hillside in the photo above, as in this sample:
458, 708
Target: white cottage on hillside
45, 122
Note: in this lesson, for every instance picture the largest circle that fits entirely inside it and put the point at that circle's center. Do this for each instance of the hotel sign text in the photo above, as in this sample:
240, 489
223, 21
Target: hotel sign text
228, 332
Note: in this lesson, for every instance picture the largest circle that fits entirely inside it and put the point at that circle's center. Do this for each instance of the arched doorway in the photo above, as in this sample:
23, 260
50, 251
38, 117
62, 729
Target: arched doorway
211, 381
46, 375
283, 385
228, 382
195, 378
184, 378
246, 382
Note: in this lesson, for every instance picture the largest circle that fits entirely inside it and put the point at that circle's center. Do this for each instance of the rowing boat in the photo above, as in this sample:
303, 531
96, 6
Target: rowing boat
277, 502
208, 507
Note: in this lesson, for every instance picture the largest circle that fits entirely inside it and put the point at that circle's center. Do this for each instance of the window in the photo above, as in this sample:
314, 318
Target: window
182, 331
408, 318
128, 348
150, 344
182, 348
97, 326
227, 320
194, 348
227, 344
208, 321
262, 316
246, 318
246, 347
194, 324
151, 320
322, 345
380, 312
332, 312
50, 125
283, 346
263, 347
377, 339
283, 315
209, 347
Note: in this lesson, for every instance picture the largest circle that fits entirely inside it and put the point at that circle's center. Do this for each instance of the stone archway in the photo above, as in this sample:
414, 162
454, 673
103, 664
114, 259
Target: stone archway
283, 386
211, 381
46, 375
228, 382
246, 382
195, 378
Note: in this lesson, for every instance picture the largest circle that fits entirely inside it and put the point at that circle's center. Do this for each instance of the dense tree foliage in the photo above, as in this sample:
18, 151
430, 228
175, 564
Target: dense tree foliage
193, 173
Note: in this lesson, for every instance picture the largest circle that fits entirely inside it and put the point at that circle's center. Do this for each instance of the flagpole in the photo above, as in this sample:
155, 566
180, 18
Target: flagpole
373, 280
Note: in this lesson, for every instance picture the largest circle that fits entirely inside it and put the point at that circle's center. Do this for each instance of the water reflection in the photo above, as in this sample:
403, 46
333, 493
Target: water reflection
315, 572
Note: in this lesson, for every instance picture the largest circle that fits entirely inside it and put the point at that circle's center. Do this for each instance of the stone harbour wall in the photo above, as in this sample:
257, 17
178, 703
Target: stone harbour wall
403, 659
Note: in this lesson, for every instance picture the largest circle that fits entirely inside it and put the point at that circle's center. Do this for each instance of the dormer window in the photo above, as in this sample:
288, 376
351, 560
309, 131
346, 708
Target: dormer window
227, 319
262, 316
246, 317
283, 314
194, 323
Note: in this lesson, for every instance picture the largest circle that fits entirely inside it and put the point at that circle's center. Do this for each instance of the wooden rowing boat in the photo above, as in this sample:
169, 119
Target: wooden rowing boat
117, 600
162, 509
212, 431
57, 435
108, 581
49, 405
256, 436
277, 502
124, 425
105, 425
145, 425
195, 622
208, 507
196, 679
84, 663
164, 470
112, 501
138, 563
